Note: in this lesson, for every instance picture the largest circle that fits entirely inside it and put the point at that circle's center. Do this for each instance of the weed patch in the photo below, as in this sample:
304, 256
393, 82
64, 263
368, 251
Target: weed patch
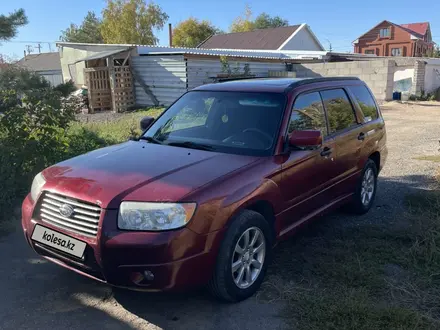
363, 277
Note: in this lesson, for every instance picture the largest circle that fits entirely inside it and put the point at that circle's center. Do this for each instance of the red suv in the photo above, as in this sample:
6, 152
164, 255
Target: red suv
208, 189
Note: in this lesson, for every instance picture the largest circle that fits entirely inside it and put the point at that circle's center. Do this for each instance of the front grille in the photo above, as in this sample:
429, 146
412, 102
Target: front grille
84, 220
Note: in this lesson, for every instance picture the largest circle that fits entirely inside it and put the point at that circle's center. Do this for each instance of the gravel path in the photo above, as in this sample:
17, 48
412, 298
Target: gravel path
40, 295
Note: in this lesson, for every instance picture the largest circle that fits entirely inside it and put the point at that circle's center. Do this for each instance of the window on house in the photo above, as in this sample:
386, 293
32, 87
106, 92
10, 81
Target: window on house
396, 51
369, 51
385, 33
340, 113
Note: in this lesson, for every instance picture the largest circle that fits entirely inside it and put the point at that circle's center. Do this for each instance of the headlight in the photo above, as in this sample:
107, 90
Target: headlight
37, 185
154, 216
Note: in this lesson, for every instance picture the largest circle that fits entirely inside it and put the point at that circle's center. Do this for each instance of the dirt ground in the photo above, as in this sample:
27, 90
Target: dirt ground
40, 295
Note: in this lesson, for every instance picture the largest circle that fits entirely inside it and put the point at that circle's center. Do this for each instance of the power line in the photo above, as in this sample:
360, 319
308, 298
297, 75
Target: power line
31, 42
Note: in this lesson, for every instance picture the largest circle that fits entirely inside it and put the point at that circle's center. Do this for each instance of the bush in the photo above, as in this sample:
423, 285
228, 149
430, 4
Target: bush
33, 126
66, 88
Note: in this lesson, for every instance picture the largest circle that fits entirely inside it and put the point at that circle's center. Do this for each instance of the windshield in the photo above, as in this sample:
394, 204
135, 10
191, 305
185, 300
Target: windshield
231, 122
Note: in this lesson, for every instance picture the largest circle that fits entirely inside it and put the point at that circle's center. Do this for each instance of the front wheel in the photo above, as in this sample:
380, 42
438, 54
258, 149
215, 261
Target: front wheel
366, 189
243, 258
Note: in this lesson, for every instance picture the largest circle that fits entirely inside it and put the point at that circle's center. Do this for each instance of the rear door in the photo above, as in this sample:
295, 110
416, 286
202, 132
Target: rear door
374, 136
347, 131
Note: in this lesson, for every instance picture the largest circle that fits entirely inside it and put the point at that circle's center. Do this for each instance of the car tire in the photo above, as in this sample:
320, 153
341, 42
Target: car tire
225, 283
366, 188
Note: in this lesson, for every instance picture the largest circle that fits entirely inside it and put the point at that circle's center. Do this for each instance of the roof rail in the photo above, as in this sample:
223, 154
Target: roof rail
219, 79
306, 81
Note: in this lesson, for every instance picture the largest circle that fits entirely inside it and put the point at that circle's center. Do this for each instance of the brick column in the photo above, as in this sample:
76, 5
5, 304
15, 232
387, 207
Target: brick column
418, 83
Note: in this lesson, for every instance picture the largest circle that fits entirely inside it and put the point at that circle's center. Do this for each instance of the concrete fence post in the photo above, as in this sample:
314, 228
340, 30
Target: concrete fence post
418, 84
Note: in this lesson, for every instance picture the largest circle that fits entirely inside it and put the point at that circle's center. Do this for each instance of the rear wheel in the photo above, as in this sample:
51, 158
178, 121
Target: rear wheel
243, 258
366, 189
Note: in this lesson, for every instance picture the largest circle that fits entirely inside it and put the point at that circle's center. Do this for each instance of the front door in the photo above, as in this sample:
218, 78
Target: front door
306, 173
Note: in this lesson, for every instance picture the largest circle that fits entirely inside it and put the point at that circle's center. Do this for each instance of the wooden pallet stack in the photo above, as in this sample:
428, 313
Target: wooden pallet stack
99, 91
123, 89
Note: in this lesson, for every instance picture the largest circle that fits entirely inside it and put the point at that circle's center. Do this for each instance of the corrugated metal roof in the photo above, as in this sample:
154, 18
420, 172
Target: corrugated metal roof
271, 38
104, 54
41, 62
245, 53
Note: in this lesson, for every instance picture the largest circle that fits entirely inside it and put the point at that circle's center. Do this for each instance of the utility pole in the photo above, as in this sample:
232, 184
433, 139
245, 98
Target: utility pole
29, 49
330, 45
39, 48
50, 47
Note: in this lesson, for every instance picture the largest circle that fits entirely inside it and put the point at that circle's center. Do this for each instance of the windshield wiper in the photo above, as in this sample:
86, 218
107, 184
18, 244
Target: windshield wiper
191, 145
150, 139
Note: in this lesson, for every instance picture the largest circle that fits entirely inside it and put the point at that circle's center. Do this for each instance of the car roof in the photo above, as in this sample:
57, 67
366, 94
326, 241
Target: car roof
276, 85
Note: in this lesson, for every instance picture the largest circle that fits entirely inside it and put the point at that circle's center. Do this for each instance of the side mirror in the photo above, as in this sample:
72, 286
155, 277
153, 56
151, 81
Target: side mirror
146, 123
305, 138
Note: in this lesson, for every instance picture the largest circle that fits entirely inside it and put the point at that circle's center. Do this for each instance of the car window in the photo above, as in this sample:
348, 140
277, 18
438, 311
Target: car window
340, 112
366, 102
230, 122
308, 114
192, 114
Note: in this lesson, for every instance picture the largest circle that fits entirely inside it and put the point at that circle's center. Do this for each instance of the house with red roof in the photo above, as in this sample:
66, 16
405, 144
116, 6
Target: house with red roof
390, 39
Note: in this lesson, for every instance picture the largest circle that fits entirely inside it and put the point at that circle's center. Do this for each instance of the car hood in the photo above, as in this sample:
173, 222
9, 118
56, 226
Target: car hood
139, 171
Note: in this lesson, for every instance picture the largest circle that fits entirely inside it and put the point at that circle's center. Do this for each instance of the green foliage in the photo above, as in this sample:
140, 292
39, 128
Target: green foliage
32, 137
38, 129
65, 89
236, 71
131, 22
245, 23
192, 32
116, 130
21, 80
225, 65
9, 24
264, 21
88, 32
425, 96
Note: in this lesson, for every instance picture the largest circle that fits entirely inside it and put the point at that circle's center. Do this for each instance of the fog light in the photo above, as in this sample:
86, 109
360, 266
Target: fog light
136, 277
149, 276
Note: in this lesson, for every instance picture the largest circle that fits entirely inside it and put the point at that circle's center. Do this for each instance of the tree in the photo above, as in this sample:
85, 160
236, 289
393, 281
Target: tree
131, 22
192, 32
264, 21
10, 24
243, 23
88, 32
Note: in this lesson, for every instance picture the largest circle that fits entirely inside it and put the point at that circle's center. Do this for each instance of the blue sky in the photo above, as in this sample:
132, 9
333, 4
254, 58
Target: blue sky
337, 21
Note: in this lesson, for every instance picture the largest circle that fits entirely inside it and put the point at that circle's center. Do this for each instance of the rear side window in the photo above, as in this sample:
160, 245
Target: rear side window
308, 114
340, 112
366, 102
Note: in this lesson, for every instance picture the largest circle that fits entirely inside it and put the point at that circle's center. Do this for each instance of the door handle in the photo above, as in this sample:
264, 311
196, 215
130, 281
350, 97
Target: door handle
326, 152
361, 136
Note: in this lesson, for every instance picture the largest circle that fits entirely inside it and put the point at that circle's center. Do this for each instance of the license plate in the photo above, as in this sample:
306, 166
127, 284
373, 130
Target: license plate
59, 241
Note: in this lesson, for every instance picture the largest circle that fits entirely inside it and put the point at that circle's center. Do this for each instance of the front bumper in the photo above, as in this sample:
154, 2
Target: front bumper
178, 259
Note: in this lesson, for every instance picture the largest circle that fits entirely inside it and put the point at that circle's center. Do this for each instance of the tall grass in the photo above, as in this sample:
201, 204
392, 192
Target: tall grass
368, 276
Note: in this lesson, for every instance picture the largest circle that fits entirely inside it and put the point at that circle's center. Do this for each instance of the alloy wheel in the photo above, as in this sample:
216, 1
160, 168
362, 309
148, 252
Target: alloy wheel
248, 257
367, 188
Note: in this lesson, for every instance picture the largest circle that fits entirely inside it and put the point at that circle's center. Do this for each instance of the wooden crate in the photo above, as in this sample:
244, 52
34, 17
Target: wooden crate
123, 90
98, 83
